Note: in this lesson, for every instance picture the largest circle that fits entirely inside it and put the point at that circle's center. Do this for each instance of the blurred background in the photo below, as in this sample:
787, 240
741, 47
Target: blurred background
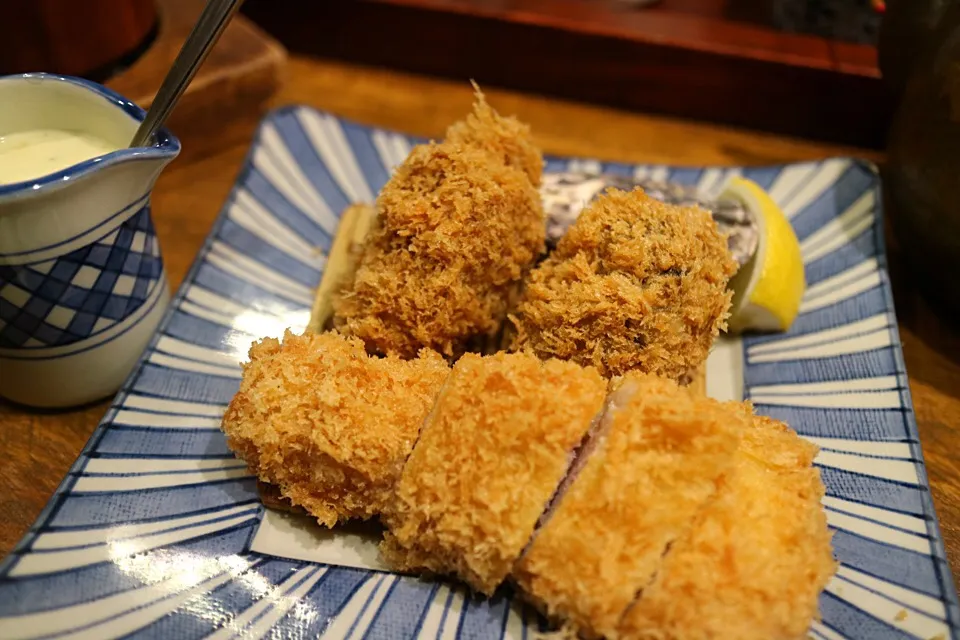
714, 60
869, 74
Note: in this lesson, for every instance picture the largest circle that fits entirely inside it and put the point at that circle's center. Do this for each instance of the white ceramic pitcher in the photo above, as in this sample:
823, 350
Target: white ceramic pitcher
82, 284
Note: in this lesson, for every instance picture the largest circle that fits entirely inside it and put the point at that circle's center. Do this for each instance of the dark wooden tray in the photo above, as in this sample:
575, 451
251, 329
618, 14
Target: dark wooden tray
703, 59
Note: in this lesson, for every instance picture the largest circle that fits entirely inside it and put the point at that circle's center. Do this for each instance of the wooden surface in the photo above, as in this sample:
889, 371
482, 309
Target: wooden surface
240, 74
700, 59
39, 448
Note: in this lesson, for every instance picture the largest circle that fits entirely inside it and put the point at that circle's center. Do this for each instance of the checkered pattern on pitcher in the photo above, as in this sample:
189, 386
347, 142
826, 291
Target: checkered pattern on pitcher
78, 295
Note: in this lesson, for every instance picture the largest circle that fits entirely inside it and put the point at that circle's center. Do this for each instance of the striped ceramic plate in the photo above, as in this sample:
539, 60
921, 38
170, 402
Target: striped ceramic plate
158, 532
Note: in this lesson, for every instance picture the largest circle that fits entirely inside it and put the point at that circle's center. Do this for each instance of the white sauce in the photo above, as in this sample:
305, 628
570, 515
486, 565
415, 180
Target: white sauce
28, 155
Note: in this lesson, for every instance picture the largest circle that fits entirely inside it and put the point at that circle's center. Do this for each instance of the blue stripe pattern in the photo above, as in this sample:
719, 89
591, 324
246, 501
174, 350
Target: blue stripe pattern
400, 615
855, 623
851, 185
286, 212
240, 291
126, 507
189, 506
851, 254
88, 584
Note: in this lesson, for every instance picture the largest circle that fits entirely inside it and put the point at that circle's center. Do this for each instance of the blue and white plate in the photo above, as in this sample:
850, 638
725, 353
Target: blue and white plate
158, 532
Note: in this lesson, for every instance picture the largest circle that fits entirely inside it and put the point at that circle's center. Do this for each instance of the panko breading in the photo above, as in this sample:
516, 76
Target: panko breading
660, 453
327, 424
505, 137
757, 556
457, 229
500, 440
633, 284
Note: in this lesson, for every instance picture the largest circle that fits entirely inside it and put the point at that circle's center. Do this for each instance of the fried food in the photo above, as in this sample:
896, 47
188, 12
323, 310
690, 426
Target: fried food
500, 440
659, 455
504, 137
634, 284
355, 223
327, 424
457, 229
757, 556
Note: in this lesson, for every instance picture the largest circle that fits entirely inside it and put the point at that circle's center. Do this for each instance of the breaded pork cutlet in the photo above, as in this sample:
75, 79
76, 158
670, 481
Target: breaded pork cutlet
498, 444
757, 556
457, 229
658, 456
501, 136
327, 424
634, 284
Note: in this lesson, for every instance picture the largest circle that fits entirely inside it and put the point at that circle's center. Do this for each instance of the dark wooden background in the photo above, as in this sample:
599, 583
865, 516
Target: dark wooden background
75, 37
713, 60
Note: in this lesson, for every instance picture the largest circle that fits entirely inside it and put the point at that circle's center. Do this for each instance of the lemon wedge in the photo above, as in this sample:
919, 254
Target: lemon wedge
768, 288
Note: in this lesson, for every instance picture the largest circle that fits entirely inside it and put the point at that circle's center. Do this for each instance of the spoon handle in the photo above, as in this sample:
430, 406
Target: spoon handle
211, 23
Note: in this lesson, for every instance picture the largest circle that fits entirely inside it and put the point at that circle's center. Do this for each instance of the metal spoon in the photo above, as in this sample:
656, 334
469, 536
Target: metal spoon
211, 23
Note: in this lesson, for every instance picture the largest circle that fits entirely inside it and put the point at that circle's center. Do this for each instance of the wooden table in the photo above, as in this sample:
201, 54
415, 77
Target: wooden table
38, 448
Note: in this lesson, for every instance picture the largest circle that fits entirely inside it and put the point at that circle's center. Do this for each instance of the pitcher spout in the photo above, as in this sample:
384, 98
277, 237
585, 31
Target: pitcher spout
57, 130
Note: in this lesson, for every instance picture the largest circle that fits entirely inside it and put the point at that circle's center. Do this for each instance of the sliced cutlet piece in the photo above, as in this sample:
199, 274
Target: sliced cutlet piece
758, 555
327, 424
657, 458
500, 440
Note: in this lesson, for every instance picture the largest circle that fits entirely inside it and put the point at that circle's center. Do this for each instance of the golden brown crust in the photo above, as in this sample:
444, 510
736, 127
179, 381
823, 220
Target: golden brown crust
757, 557
456, 230
505, 137
634, 284
328, 424
657, 462
341, 263
487, 463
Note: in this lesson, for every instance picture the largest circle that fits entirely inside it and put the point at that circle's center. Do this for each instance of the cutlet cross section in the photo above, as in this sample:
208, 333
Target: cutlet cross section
500, 440
659, 455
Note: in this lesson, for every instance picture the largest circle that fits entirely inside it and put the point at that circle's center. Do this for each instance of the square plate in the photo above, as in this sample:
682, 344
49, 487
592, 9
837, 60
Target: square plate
158, 532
